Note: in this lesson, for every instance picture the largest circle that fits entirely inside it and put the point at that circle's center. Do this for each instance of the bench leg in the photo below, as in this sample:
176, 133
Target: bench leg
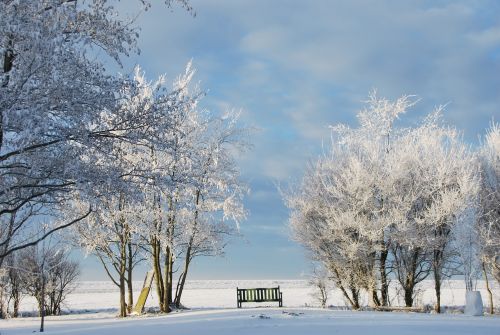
281, 299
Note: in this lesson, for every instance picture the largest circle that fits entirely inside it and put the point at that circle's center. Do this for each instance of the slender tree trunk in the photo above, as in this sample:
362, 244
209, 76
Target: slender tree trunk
375, 298
170, 281
410, 279
339, 284
42, 301
488, 289
437, 287
158, 277
167, 285
438, 262
187, 261
17, 302
8, 62
182, 279
355, 298
384, 285
123, 269
437, 268
129, 278
123, 304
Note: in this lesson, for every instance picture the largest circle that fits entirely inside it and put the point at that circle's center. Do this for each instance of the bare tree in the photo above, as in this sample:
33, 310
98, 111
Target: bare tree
322, 285
48, 274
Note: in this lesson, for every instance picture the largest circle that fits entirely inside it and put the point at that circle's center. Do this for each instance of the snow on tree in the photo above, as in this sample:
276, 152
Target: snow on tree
435, 179
490, 198
385, 199
180, 189
322, 285
215, 192
489, 212
58, 110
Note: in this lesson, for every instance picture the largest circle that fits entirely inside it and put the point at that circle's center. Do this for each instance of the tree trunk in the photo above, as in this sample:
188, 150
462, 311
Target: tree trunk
158, 277
384, 285
169, 261
437, 287
170, 278
408, 296
182, 279
437, 269
8, 62
123, 268
375, 298
130, 303
167, 285
409, 286
123, 304
488, 289
355, 298
42, 301
437, 280
17, 302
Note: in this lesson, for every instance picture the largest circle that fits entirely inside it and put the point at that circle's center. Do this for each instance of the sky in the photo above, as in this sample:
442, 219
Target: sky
293, 68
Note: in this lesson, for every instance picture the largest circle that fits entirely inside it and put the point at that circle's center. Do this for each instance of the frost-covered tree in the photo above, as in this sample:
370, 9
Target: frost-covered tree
47, 274
489, 209
194, 192
490, 198
180, 188
113, 232
322, 285
342, 207
59, 119
435, 180
385, 199
109, 235
215, 192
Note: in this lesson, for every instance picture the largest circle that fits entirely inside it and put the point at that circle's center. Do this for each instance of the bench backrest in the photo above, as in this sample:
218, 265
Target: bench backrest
259, 294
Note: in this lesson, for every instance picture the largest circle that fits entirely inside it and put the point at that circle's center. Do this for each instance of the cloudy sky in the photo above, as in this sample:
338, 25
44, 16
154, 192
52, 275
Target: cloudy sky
295, 67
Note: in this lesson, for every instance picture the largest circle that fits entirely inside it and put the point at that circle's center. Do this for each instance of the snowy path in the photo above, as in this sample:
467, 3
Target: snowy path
273, 321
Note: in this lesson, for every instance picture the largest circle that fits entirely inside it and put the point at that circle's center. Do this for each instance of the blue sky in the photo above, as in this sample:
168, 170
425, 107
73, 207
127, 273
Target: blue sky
296, 67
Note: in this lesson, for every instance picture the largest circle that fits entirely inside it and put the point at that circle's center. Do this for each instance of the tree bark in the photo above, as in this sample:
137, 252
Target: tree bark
355, 298
488, 289
123, 304
17, 302
167, 280
123, 262
8, 62
437, 287
408, 297
384, 285
437, 279
158, 277
182, 279
130, 301
375, 298
353, 301
187, 261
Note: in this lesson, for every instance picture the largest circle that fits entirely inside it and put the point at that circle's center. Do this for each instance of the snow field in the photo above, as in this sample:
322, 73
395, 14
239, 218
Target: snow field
103, 295
213, 311
266, 321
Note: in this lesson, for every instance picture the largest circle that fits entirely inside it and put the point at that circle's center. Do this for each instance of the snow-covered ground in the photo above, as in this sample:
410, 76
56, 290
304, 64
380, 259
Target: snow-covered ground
103, 295
212, 311
265, 321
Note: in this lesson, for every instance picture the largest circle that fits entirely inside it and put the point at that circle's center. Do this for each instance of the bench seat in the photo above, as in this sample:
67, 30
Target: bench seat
259, 295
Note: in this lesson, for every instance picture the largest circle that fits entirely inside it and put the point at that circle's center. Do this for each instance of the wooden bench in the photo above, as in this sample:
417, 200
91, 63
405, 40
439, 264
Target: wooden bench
259, 295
